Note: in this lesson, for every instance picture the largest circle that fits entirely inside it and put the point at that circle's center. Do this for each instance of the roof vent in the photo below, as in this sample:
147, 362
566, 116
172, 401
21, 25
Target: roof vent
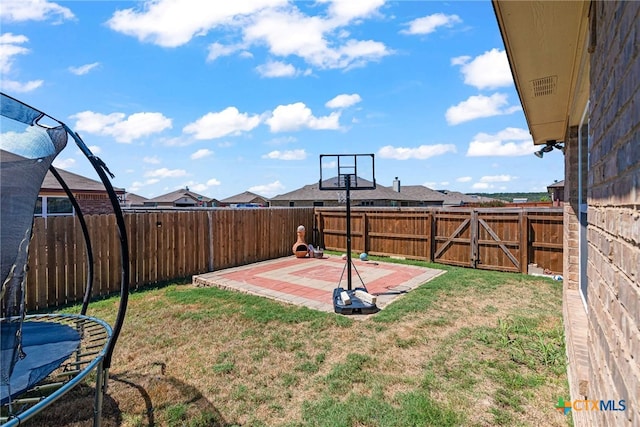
544, 86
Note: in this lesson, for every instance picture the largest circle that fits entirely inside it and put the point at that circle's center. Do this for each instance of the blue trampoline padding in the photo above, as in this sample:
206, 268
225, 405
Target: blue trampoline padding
46, 345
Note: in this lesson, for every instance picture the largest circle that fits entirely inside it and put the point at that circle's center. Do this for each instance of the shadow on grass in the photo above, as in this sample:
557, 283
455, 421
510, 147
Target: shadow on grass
135, 400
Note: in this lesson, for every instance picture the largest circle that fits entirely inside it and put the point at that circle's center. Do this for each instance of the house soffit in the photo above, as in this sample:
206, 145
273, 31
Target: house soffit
546, 46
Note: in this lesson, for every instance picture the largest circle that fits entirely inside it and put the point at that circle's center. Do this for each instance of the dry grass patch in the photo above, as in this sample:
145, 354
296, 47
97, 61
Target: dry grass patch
468, 348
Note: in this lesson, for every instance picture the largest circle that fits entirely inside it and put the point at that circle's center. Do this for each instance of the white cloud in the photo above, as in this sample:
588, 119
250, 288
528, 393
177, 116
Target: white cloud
268, 190
497, 178
94, 149
343, 101
137, 185
286, 155
344, 11
320, 40
487, 71
119, 126
313, 41
226, 122
33, 10
297, 116
10, 47
83, 69
481, 186
64, 163
199, 187
216, 50
464, 179
166, 173
479, 106
201, 154
19, 87
429, 24
422, 152
276, 69
171, 23
508, 142
154, 160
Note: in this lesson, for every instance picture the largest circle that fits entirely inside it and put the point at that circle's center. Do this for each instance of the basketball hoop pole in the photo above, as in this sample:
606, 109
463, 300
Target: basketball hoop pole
347, 182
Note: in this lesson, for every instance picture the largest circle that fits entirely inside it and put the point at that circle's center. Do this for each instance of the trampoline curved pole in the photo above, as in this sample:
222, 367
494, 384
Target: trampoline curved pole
102, 170
87, 238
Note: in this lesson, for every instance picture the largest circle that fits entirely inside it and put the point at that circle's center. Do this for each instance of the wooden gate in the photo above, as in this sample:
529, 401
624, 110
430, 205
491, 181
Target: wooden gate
452, 237
487, 239
498, 244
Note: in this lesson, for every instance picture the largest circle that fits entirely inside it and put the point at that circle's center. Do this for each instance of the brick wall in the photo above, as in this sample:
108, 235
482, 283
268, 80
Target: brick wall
571, 225
94, 203
614, 212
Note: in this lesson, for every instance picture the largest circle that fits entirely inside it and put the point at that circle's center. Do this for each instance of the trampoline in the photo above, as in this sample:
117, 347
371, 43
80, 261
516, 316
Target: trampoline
44, 356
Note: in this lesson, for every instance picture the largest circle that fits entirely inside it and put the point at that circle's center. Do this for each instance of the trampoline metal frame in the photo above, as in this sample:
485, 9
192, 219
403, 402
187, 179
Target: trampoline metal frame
78, 357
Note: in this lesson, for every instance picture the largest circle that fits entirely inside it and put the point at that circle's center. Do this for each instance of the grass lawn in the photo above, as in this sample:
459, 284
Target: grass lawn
470, 347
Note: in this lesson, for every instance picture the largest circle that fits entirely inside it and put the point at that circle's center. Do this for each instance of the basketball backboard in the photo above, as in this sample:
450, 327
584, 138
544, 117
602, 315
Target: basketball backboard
347, 171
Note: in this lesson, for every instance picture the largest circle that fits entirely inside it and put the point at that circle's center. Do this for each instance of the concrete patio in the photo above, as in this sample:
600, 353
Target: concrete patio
310, 282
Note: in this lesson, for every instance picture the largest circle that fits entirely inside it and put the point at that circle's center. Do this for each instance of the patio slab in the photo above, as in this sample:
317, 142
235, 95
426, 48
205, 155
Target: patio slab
310, 281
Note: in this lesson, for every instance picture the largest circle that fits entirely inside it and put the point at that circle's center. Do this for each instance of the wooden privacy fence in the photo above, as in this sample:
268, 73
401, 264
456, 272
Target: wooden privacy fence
171, 245
163, 246
504, 239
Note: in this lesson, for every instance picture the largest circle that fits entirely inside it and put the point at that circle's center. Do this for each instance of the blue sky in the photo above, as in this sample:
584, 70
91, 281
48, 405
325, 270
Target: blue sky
225, 97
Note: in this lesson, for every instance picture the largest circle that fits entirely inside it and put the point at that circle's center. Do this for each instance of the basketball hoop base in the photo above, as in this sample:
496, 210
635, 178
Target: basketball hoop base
356, 305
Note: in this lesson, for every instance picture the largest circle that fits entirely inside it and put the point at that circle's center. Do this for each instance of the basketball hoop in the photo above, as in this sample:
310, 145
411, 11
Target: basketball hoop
349, 177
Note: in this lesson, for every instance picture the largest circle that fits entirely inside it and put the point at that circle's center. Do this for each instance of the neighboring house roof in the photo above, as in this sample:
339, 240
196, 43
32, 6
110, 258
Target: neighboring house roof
313, 192
75, 182
177, 195
455, 198
245, 197
557, 184
134, 199
422, 193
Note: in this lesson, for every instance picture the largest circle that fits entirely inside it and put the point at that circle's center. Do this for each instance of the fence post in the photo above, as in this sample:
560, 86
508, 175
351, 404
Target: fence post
473, 238
524, 241
431, 236
365, 238
210, 238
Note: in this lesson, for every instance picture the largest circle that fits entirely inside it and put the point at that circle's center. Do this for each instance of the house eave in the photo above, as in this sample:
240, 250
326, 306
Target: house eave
546, 44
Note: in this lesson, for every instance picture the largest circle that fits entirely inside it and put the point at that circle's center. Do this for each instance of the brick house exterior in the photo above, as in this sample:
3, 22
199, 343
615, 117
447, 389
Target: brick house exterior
90, 194
596, 102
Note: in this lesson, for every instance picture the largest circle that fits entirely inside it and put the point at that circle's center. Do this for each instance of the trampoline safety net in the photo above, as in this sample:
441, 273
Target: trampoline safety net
26, 152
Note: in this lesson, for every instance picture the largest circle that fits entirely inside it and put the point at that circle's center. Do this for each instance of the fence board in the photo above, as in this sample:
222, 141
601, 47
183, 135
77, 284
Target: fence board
37, 273
104, 236
71, 261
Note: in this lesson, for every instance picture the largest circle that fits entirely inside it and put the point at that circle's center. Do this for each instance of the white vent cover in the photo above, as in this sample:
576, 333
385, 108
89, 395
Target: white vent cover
544, 86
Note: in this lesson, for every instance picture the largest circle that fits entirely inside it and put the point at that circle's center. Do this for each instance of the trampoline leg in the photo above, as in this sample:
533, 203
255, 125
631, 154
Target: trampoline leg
97, 407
